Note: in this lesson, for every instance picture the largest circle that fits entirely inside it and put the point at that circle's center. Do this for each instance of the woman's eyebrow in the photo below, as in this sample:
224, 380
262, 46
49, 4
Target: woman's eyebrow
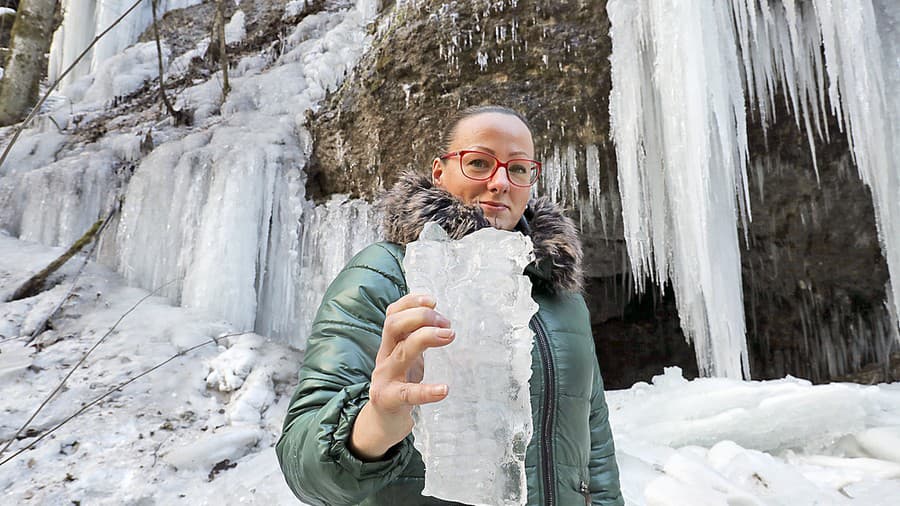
491, 151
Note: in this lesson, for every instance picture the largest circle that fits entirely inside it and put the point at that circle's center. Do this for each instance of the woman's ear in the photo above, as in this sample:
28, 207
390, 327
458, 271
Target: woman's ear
437, 172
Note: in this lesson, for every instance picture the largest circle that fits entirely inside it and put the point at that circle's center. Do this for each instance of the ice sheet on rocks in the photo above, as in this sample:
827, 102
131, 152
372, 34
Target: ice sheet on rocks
473, 442
779, 442
85, 19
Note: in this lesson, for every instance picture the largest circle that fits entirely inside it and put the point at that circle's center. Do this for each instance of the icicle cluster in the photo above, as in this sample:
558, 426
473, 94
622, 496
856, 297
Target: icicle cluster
681, 76
679, 126
559, 181
331, 233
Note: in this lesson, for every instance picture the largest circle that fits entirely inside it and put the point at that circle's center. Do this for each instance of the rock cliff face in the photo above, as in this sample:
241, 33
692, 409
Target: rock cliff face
814, 276
547, 59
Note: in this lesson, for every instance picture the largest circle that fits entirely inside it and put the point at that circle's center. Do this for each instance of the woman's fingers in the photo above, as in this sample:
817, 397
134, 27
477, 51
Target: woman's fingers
411, 326
402, 324
409, 301
398, 363
406, 318
409, 350
398, 395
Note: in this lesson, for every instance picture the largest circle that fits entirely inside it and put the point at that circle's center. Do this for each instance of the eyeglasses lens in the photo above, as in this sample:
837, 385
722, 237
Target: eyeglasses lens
480, 166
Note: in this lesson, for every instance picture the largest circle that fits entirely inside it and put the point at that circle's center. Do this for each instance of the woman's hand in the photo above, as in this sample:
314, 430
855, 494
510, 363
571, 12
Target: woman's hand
410, 327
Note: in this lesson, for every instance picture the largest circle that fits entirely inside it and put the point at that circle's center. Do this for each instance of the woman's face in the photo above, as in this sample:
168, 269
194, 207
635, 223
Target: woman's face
504, 136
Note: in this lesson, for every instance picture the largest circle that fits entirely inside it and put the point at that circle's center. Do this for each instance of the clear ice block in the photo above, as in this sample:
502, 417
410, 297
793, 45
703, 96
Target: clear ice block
473, 442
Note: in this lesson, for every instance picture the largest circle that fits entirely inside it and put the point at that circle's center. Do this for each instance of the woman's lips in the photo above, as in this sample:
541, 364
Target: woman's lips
493, 206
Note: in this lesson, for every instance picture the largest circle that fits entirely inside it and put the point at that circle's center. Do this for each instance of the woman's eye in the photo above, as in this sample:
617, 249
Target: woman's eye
479, 163
519, 169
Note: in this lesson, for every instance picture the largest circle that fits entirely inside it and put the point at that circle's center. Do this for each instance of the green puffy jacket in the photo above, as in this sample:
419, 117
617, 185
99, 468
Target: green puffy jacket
570, 459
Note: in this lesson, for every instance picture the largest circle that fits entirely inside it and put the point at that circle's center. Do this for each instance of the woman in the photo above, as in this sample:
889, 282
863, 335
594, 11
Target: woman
347, 437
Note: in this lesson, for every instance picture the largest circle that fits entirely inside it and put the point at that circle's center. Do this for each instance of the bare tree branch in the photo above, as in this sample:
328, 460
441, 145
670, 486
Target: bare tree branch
87, 258
180, 117
33, 285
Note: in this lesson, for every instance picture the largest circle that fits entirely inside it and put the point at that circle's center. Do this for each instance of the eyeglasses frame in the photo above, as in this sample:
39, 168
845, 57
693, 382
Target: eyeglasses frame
499, 164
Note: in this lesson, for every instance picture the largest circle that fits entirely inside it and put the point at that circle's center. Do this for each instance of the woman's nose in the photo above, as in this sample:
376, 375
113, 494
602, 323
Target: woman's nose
499, 181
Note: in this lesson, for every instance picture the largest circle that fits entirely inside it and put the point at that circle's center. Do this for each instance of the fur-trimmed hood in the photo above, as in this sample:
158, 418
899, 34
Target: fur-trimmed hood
414, 201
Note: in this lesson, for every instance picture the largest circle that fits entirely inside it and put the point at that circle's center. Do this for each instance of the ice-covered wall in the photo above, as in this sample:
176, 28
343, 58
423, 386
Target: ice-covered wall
681, 77
85, 19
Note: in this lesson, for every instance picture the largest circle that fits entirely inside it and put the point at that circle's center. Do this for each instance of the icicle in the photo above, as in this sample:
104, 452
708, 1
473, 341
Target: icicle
592, 165
560, 180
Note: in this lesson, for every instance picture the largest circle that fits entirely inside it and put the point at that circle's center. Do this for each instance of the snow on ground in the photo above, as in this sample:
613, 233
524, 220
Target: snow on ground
200, 430
159, 439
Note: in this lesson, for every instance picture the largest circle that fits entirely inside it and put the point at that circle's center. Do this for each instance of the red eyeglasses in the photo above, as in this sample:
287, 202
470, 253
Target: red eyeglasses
481, 166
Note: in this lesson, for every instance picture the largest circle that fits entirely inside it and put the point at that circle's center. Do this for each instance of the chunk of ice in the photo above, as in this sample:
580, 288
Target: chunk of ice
473, 442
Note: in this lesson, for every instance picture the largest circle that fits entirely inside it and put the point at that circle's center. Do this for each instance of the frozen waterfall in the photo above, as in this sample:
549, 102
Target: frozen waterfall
681, 78
216, 216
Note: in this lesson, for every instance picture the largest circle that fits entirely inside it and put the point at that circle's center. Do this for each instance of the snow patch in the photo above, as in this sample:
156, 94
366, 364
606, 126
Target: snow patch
228, 370
235, 29
229, 443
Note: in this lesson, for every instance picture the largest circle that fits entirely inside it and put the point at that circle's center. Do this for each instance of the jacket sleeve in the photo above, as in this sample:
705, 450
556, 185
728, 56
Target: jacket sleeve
604, 486
334, 386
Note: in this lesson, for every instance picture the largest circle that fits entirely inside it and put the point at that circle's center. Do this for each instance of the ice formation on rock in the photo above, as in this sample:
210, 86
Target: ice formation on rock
85, 19
681, 73
473, 442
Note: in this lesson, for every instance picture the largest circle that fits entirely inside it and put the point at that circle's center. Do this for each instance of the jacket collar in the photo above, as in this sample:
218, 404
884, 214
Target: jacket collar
414, 201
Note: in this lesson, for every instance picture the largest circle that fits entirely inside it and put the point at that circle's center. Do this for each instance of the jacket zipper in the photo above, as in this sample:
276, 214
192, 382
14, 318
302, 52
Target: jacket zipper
586, 492
550, 408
